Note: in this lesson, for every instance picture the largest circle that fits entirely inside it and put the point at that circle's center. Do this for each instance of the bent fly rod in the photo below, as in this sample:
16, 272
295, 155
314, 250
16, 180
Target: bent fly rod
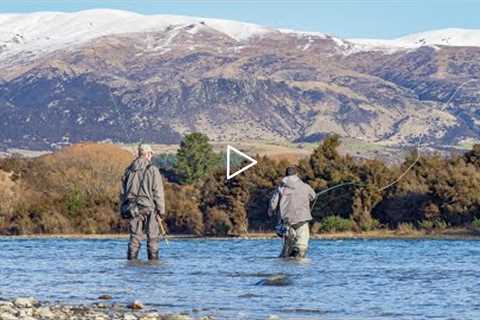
364, 184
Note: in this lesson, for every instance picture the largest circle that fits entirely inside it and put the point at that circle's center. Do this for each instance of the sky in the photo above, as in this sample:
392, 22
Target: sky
343, 18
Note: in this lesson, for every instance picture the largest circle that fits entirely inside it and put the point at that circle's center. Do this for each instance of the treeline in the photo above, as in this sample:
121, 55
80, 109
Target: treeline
75, 190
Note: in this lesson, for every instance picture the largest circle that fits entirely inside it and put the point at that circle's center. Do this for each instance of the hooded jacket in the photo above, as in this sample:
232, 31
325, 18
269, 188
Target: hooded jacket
143, 181
292, 200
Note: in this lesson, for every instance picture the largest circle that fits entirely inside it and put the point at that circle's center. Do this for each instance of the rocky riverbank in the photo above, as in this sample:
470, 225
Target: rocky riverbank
32, 309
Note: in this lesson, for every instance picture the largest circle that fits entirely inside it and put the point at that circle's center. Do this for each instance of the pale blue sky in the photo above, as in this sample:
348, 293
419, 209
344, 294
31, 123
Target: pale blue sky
352, 18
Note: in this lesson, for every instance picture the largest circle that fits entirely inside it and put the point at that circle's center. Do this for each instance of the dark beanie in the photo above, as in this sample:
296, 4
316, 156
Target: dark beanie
291, 171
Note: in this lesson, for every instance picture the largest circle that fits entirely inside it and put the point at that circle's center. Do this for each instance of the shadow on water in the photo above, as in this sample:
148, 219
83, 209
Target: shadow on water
288, 260
298, 261
278, 280
145, 264
241, 274
249, 295
305, 311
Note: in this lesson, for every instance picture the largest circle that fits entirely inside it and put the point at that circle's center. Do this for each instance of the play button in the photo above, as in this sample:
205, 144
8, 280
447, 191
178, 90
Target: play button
252, 161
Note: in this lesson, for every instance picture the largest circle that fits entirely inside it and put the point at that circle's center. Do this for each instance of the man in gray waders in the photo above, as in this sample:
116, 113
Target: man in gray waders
292, 202
142, 202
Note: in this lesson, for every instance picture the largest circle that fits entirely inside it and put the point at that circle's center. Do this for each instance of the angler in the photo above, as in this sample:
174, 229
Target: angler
291, 202
143, 203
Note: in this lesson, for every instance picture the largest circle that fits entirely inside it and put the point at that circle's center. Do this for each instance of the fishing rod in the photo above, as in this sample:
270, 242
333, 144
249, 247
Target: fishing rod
404, 173
364, 184
162, 229
456, 91
118, 112
331, 189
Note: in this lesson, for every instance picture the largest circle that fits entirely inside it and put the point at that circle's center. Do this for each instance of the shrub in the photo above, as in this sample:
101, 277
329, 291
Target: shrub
426, 224
476, 224
218, 223
440, 224
93, 170
9, 193
405, 228
370, 225
335, 224
166, 164
75, 201
183, 213
73, 190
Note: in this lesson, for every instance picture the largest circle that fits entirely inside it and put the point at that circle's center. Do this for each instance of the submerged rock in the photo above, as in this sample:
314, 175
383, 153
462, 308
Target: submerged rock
105, 297
136, 305
277, 280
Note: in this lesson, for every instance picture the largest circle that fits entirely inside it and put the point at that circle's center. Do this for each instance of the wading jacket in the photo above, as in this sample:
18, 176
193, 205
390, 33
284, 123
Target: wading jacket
292, 201
144, 178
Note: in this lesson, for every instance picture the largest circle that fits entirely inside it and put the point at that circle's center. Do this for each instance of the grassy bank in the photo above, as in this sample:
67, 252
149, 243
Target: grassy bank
456, 233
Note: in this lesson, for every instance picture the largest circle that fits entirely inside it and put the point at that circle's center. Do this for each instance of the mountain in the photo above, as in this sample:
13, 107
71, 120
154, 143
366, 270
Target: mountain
120, 76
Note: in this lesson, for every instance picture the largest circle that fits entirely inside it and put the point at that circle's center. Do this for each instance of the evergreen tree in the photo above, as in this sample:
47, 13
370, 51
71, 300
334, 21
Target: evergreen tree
195, 158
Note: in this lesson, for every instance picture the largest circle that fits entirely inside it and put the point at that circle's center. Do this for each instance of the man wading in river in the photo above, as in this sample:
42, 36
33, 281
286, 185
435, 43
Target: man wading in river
142, 202
292, 202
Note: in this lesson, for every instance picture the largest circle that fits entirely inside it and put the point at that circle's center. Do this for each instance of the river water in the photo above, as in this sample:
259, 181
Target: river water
342, 279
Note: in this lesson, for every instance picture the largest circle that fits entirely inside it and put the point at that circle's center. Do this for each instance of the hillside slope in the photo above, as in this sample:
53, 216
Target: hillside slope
120, 76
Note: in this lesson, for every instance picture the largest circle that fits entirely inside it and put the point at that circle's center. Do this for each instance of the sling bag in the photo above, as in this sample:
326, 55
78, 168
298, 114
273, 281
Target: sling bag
130, 208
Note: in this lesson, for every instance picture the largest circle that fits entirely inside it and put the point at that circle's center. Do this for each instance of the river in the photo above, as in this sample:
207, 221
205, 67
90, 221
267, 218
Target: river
341, 279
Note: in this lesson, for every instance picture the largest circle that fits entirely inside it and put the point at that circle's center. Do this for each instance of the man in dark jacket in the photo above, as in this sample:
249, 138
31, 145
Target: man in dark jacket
142, 182
292, 202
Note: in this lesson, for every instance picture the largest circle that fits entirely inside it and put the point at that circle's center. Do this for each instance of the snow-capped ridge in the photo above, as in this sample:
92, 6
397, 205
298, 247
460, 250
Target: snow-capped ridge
47, 31
118, 21
40, 32
454, 37
449, 37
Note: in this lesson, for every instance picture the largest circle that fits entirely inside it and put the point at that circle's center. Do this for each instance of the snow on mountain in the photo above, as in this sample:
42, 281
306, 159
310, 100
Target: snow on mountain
48, 31
444, 37
28, 35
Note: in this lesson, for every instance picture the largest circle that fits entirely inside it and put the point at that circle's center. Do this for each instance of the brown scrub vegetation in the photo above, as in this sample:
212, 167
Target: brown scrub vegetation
75, 190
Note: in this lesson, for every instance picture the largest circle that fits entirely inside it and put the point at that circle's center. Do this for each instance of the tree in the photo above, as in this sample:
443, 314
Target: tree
473, 156
327, 168
195, 158
183, 213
